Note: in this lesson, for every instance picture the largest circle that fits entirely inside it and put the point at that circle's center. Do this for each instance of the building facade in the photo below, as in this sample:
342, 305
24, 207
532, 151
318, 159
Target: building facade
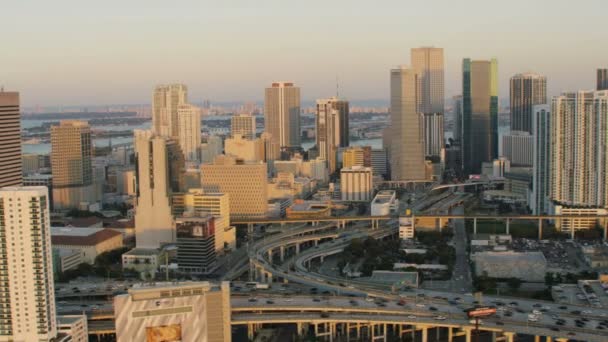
165, 102
517, 147
245, 182
243, 125
159, 167
406, 139
579, 162
330, 115
479, 113
356, 184
602, 79
10, 139
189, 311
28, 305
195, 241
428, 64
282, 113
189, 131
541, 126
71, 164
527, 90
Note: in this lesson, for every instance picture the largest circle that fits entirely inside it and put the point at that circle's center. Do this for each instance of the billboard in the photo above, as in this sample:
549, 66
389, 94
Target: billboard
482, 311
195, 228
164, 333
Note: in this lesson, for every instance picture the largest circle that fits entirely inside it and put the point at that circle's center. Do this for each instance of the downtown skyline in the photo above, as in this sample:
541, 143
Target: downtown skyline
121, 54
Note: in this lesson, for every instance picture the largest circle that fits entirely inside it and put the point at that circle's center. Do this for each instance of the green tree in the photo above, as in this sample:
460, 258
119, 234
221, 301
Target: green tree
514, 283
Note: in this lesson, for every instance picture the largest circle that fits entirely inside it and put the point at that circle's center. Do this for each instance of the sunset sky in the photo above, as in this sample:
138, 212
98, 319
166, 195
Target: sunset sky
68, 52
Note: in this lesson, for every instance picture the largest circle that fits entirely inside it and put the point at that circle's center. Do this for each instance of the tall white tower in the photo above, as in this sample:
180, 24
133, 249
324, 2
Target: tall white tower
27, 304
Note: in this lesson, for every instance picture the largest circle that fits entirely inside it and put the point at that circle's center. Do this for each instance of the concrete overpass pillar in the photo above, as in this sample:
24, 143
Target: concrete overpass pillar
297, 248
540, 229
509, 336
316, 243
322, 258
450, 334
425, 334
508, 223
467, 335
561, 339
262, 276
269, 278
548, 339
282, 253
250, 331
475, 225
270, 255
536, 338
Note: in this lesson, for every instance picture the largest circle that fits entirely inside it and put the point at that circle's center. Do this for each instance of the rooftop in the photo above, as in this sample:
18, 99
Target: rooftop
81, 236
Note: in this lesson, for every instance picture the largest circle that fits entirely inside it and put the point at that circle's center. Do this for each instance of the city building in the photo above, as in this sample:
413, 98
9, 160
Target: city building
301, 209
27, 305
356, 184
245, 183
602, 79
527, 90
65, 259
406, 226
165, 103
32, 163
189, 131
282, 113
211, 148
272, 149
125, 182
71, 163
159, 166
89, 241
195, 242
541, 126
187, 311
500, 166
427, 62
385, 203
328, 126
579, 133
40, 180
357, 156
406, 140
74, 326
479, 113
243, 125
379, 162
457, 119
518, 146
250, 150
526, 266
200, 203
570, 226
10, 139
315, 169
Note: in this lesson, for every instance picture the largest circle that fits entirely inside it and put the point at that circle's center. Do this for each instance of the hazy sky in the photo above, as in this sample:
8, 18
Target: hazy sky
74, 52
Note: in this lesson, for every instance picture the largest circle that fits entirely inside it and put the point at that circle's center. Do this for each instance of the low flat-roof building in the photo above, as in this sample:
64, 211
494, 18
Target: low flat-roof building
90, 241
309, 209
74, 326
188, 311
385, 203
527, 266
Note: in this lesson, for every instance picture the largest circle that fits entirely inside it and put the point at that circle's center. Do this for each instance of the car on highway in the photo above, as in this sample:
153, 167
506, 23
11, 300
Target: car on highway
440, 318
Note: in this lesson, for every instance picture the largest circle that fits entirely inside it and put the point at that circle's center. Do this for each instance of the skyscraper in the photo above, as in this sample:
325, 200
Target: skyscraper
244, 125
189, 131
480, 113
427, 62
527, 90
71, 164
27, 305
327, 123
10, 139
406, 141
159, 163
165, 103
579, 136
282, 113
602, 79
541, 126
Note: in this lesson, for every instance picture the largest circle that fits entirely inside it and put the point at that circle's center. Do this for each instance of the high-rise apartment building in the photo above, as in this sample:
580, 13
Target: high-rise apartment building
282, 113
212, 147
480, 113
457, 120
159, 170
250, 150
27, 304
165, 103
71, 164
195, 241
243, 125
427, 62
189, 131
10, 139
356, 184
527, 90
602, 79
541, 126
579, 136
245, 182
357, 156
406, 140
